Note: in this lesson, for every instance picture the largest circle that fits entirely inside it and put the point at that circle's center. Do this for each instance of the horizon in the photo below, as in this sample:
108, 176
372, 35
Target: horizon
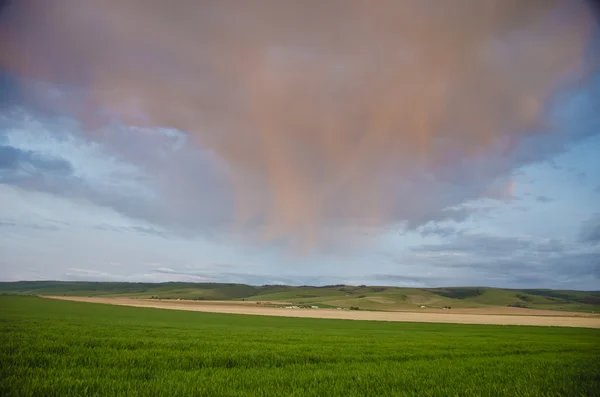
294, 286
400, 143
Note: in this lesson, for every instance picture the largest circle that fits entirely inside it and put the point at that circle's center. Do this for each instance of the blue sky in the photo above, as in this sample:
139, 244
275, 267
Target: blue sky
283, 157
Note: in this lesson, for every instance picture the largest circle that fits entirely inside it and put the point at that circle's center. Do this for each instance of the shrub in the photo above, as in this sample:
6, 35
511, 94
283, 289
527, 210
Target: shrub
525, 298
517, 304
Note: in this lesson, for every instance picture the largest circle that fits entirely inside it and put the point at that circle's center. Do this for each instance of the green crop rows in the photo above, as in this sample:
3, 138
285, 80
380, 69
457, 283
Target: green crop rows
59, 348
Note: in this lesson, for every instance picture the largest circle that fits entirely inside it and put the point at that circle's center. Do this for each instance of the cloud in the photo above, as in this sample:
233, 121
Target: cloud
590, 231
152, 176
438, 230
144, 230
30, 225
472, 259
79, 274
543, 199
577, 265
491, 246
8, 89
403, 280
577, 174
37, 170
14, 159
379, 114
33, 170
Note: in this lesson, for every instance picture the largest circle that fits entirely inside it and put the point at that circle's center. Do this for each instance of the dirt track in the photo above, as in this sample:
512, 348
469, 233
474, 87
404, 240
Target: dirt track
559, 320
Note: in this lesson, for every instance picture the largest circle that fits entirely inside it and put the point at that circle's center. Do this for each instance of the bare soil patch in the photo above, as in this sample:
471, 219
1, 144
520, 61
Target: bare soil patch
581, 320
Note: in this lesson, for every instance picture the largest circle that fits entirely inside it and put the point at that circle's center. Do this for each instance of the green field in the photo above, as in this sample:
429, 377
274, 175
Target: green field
61, 348
365, 297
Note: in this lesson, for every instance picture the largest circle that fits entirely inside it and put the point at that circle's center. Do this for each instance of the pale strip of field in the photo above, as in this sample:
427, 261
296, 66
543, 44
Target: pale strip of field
424, 317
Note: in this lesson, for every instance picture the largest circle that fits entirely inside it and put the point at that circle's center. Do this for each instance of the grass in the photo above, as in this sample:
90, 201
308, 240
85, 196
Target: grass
60, 348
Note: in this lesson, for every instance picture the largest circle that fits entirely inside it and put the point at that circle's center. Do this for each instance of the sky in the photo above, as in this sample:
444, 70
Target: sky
408, 143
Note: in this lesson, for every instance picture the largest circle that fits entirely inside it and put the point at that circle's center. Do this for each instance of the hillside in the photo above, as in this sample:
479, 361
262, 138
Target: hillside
364, 297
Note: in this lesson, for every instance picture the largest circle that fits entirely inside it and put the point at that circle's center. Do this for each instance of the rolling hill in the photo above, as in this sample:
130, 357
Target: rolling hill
365, 297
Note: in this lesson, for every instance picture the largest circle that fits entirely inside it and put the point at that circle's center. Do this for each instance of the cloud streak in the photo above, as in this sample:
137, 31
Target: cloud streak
379, 113
12, 158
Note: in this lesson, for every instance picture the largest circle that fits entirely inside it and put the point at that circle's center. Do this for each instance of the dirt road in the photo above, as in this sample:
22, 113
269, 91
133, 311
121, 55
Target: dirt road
558, 320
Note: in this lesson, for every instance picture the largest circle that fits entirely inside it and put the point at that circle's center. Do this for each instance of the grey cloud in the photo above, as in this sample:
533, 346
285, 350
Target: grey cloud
579, 175
457, 213
435, 229
28, 225
507, 261
590, 231
486, 245
543, 199
214, 273
578, 270
526, 277
145, 175
575, 265
15, 159
37, 172
528, 280
554, 165
156, 175
146, 230
395, 279
79, 274
9, 92
32, 170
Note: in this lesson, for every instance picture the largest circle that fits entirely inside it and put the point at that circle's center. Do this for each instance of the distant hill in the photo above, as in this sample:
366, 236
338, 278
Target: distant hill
365, 297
